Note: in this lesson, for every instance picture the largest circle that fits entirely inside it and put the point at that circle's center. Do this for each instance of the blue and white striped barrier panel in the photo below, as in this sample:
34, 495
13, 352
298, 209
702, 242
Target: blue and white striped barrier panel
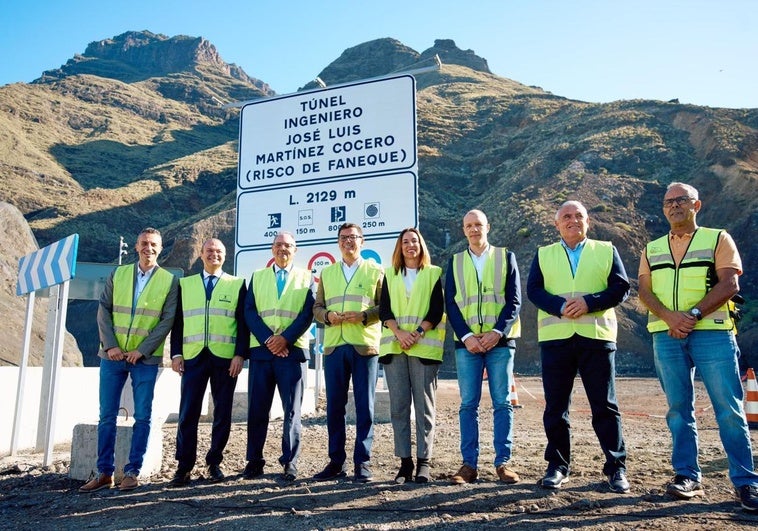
49, 266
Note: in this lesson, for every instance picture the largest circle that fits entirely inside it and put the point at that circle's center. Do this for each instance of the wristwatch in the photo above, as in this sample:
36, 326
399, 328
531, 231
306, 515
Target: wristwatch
420, 330
696, 313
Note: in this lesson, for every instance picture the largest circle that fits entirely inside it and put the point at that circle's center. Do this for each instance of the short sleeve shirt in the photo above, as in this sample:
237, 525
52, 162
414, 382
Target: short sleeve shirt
727, 255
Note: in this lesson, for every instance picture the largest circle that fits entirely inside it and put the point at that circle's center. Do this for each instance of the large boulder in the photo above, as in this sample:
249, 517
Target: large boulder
17, 240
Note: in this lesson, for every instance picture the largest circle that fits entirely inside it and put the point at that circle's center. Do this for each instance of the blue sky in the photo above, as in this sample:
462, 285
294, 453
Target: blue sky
702, 52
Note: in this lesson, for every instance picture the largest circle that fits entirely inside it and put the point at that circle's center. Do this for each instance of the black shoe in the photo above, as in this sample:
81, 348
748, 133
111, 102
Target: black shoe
363, 473
405, 474
290, 472
253, 470
181, 479
554, 478
684, 488
618, 482
331, 471
422, 471
215, 474
748, 497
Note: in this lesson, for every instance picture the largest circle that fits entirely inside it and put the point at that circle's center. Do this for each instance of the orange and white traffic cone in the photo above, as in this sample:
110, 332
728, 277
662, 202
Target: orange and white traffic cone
751, 400
514, 396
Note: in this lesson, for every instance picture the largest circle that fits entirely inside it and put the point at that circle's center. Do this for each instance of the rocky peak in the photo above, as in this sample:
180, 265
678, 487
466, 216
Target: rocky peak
385, 56
449, 53
139, 55
370, 59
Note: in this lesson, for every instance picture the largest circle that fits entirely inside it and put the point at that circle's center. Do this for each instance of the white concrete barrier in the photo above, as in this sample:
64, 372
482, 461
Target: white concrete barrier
78, 402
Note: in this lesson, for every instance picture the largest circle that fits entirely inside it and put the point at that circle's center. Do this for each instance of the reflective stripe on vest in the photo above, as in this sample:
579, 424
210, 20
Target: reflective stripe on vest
354, 296
279, 313
210, 323
681, 287
131, 330
591, 276
480, 303
410, 311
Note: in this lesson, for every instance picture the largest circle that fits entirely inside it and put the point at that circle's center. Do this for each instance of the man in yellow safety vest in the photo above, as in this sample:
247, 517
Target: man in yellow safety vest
686, 280
134, 316
209, 343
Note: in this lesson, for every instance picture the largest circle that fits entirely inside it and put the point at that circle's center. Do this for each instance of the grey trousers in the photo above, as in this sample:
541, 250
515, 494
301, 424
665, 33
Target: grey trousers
409, 380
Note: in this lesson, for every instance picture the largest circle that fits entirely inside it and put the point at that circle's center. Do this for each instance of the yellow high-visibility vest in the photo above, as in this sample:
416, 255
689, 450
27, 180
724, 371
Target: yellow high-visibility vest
410, 311
132, 329
354, 296
591, 276
480, 303
211, 323
280, 312
681, 287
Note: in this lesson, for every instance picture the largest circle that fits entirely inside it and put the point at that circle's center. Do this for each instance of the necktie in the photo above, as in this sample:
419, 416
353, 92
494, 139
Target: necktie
209, 287
281, 279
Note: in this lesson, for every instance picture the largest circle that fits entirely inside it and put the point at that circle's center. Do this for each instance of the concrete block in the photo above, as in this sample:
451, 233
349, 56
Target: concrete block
381, 406
84, 450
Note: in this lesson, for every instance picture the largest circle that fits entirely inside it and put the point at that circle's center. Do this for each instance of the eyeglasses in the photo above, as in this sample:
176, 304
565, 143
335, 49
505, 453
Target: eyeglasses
285, 245
682, 199
350, 237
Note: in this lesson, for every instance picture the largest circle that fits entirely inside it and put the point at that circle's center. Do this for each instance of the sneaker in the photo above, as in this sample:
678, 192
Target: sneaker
684, 488
363, 473
405, 474
331, 471
102, 481
554, 478
506, 475
465, 474
130, 482
748, 497
618, 482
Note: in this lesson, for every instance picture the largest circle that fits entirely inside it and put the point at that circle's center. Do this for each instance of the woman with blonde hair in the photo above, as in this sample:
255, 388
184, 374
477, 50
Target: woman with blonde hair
413, 334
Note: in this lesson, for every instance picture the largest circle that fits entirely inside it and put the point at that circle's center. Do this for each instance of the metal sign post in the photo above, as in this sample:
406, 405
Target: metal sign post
22, 372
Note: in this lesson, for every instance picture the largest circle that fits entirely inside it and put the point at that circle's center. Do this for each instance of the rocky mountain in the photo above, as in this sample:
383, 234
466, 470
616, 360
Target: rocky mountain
132, 132
17, 240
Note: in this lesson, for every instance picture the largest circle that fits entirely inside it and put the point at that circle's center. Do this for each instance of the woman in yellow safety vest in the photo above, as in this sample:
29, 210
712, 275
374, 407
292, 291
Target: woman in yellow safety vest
412, 312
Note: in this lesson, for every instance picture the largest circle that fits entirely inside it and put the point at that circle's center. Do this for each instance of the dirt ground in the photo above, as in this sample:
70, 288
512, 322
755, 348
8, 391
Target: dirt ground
33, 497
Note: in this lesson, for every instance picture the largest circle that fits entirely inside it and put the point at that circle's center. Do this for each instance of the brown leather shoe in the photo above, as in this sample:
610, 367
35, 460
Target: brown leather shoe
465, 474
130, 482
507, 475
102, 481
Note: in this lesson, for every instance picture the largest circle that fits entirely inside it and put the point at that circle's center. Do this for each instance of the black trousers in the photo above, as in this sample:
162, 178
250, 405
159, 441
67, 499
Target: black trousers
197, 373
594, 361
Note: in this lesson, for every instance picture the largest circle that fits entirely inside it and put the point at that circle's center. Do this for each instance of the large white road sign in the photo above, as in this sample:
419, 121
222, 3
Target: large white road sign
310, 161
367, 127
314, 212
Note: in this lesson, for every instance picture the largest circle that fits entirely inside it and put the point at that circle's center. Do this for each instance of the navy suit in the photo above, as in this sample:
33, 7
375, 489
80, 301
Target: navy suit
198, 371
266, 372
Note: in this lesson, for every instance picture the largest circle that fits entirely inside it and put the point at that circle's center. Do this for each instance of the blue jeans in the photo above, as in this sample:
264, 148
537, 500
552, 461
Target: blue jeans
112, 379
714, 353
470, 368
340, 366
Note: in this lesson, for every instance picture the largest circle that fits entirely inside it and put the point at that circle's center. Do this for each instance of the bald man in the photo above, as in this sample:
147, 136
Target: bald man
209, 342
